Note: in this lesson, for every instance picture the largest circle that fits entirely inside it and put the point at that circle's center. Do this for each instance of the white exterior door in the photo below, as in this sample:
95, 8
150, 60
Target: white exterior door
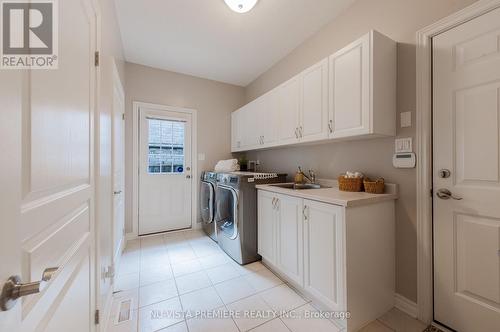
47, 176
165, 182
118, 166
466, 111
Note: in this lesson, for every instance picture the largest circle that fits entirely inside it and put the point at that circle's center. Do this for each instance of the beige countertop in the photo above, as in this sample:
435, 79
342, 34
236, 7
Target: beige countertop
334, 196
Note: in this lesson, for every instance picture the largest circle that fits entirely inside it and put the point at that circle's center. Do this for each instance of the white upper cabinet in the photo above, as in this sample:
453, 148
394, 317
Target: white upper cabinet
362, 88
314, 112
289, 111
236, 130
350, 95
268, 119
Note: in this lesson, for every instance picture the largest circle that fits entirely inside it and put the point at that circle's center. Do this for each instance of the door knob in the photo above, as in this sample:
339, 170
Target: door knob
446, 194
13, 289
444, 173
118, 192
188, 176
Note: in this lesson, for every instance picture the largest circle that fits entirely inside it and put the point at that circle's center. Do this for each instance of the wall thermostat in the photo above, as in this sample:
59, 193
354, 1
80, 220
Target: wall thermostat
404, 160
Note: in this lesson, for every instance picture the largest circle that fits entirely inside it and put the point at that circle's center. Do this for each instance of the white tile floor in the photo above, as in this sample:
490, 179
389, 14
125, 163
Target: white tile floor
183, 282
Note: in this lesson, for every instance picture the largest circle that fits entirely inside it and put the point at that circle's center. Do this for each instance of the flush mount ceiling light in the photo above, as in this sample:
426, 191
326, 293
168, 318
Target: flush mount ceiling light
241, 6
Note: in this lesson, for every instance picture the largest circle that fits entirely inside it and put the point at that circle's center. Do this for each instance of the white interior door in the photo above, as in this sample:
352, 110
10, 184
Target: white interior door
466, 142
49, 181
118, 166
165, 181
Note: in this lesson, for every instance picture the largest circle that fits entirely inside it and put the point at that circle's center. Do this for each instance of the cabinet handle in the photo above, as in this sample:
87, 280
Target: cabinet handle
274, 203
301, 132
277, 203
330, 126
263, 139
304, 212
296, 133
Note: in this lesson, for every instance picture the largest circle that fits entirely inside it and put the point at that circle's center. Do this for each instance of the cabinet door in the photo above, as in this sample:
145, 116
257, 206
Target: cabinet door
290, 249
249, 126
268, 118
350, 89
235, 131
314, 115
289, 111
324, 253
266, 226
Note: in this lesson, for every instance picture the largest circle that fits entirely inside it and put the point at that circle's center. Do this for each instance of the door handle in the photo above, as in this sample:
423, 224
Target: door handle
118, 192
13, 289
446, 194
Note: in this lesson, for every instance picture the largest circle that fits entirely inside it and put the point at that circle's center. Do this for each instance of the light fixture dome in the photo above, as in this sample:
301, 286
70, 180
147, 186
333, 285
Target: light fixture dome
241, 6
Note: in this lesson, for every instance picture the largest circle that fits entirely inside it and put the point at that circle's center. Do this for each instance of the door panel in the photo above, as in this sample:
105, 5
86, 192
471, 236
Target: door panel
207, 202
268, 115
55, 206
165, 182
118, 166
266, 226
350, 89
289, 111
323, 250
466, 115
290, 258
314, 117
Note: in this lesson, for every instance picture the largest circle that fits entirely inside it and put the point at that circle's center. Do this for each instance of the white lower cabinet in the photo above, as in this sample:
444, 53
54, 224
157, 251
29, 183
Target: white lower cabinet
289, 235
340, 257
267, 219
324, 253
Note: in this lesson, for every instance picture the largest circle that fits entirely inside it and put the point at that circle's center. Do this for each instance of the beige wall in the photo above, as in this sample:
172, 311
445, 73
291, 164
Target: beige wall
398, 19
214, 102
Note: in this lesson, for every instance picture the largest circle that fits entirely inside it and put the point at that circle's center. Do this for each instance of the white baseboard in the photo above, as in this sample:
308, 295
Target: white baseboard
407, 306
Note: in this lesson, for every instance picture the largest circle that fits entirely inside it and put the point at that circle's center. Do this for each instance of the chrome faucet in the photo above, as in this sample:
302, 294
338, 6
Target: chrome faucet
312, 176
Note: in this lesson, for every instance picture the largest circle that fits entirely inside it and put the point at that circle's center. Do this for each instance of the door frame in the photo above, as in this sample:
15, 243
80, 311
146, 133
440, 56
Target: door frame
136, 106
425, 291
118, 87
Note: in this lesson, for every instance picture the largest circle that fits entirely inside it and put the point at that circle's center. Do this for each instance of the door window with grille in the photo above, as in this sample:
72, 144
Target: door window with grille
166, 146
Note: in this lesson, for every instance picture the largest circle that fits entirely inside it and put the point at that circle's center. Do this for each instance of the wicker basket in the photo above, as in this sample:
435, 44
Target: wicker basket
374, 186
350, 184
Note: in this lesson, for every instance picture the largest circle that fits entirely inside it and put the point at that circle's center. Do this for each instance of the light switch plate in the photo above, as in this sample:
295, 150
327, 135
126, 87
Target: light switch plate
405, 119
404, 145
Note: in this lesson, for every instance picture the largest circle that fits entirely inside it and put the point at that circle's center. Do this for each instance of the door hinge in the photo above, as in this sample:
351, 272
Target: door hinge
96, 317
96, 58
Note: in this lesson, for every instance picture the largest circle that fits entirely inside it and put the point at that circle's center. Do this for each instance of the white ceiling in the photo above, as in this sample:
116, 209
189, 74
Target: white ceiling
205, 38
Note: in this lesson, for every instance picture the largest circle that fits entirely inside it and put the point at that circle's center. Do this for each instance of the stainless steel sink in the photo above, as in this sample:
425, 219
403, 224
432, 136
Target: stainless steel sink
299, 186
